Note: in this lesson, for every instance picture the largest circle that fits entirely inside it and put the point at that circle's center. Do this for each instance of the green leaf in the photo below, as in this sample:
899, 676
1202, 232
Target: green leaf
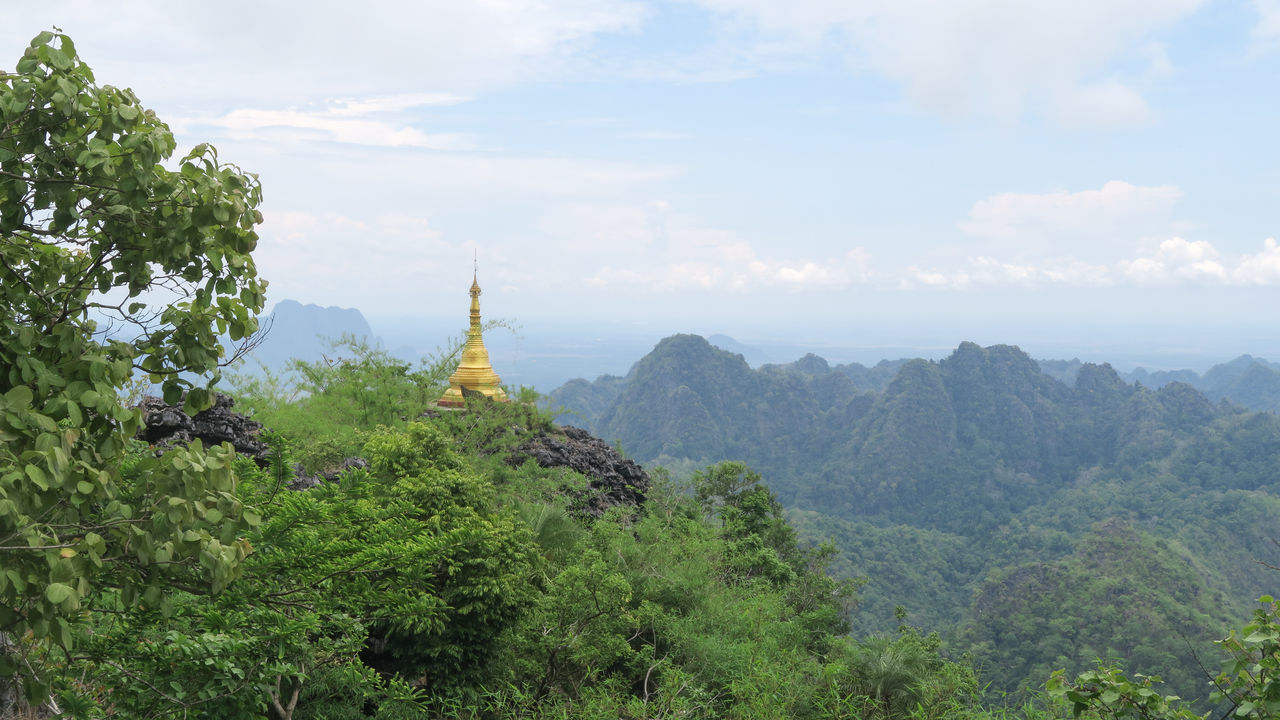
37, 476
197, 400
172, 392
59, 59
1262, 635
20, 396
58, 592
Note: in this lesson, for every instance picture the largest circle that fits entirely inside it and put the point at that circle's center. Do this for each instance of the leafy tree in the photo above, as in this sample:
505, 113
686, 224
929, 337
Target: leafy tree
1250, 678
408, 568
110, 264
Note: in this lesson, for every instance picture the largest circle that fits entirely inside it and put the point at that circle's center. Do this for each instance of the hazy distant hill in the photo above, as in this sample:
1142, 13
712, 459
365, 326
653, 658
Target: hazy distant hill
302, 331
752, 355
1247, 381
982, 490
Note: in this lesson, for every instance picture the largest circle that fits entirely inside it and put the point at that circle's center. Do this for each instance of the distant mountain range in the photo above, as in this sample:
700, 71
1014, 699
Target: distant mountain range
1031, 511
605, 405
1247, 381
546, 357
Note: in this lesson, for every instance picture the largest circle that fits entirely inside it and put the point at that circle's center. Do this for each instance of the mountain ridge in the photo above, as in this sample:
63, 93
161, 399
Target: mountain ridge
991, 468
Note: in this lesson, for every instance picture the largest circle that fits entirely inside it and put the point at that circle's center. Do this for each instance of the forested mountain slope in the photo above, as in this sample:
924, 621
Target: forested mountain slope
980, 477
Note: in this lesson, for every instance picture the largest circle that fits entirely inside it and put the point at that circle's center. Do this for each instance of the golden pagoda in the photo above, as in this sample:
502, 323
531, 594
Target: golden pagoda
474, 373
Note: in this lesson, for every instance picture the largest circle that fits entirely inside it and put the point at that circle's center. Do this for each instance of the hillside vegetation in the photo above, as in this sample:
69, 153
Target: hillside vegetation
980, 493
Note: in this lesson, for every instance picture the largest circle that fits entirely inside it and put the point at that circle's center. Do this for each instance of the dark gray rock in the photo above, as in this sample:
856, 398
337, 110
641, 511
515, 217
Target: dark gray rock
303, 481
613, 479
166, 426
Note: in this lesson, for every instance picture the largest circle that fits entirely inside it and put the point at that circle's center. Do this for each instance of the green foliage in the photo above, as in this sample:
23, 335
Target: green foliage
109, 264
408, 568
1122, 595
1250, 678
363, 385
673, 612
1247, 686
907, 674
1108, 693
327, 407
475, 562
929, 571
492, 430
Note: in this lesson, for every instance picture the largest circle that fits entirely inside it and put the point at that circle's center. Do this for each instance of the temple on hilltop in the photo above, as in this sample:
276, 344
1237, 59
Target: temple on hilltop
474, 373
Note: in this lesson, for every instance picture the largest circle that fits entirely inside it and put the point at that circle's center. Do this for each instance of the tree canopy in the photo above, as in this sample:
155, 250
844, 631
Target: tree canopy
111, 264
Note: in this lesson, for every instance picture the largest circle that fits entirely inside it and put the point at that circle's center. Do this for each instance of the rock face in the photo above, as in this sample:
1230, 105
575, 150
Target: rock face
614, 480
303, 481
166, 426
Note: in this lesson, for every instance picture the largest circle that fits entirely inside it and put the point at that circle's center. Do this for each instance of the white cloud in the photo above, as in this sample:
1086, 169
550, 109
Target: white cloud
1104, 104
1108, 221
1260, 269
1176, 260
327, 126
392, 103
285, 53
1266, 33
932, 278
310, 255
852, 268
985, 271
1158, 62
1120, 234
541, 225
998, 57
653, 248
989, 271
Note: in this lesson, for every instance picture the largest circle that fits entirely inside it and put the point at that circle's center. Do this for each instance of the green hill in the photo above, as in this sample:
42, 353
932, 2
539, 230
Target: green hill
962, 473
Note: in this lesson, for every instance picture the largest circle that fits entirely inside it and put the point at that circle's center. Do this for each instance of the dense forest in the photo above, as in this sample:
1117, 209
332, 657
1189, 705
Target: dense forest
374, 556
1031, 522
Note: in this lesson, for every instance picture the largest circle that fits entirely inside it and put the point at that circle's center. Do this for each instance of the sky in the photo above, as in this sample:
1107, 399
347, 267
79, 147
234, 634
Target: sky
879, 171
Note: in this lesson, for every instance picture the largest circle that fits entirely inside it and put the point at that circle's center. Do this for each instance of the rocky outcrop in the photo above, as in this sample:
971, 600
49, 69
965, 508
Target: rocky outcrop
303, 481
166, 426
613, 479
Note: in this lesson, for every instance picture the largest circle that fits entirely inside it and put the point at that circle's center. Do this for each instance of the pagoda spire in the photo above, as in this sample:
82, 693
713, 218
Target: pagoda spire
474, 373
